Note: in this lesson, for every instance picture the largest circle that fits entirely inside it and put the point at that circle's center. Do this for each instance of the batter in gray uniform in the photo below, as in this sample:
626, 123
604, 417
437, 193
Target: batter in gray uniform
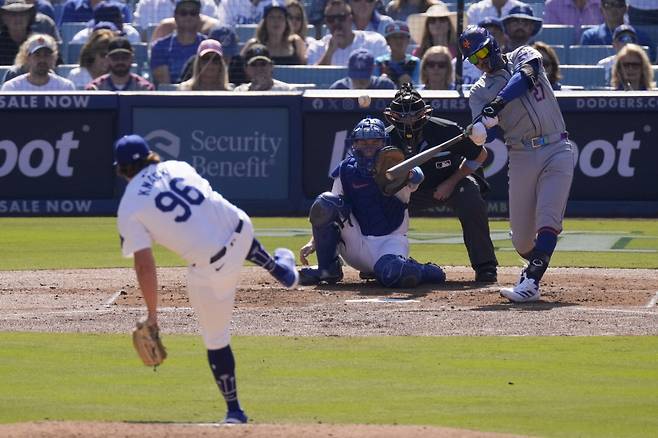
514, 93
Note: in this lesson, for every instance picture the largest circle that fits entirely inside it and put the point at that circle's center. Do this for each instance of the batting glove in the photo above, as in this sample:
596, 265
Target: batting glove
494, 107
478, 134
489, 122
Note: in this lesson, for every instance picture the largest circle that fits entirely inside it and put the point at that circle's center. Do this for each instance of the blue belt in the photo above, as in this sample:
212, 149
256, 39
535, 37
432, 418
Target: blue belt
538, 142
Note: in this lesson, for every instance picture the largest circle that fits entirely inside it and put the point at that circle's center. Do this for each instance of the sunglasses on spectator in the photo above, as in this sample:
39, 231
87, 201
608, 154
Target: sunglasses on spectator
259, 63
188, 12
436, 64
295, 17
613, 5
338, 18
477, 56
214, 59
438, 20
631, 64
119, 56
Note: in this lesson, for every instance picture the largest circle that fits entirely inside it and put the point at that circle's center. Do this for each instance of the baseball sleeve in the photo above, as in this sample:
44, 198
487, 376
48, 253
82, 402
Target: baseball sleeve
134, 236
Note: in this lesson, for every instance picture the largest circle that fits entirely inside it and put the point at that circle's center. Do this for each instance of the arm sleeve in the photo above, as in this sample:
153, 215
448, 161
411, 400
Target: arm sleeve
134, 236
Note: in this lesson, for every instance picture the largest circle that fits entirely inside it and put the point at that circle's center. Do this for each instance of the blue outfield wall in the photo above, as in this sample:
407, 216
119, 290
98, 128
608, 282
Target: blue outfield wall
272, 153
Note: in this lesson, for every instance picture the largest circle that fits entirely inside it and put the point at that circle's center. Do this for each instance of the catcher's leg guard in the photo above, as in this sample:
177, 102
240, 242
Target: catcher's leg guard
432, 273
397, 271
327, 215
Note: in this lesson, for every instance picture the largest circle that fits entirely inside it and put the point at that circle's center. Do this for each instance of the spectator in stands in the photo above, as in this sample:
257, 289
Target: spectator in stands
298, 21
366, 17
209, 72
632, 70
436, 69
285, 47
360, 74
168, 26
107, 11
401, 9
435, 27
551, 63
93, 59
150, 12
83, 10
42, 54
120, 58
259, 70
19, 19
234, 12
398, 66
335, 48
643, 12
170, 53
470, 73
42, 22
574, 13
43, 6
624, 34
520, 27
490, 8
613, 16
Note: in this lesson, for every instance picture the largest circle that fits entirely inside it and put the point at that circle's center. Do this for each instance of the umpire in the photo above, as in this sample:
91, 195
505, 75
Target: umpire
454, 177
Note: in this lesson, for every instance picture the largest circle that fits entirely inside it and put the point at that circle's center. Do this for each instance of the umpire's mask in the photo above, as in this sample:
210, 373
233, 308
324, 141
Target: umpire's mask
408, 112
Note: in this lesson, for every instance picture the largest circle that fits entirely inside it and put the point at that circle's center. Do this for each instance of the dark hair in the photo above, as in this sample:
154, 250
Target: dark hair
555, 74
132, 169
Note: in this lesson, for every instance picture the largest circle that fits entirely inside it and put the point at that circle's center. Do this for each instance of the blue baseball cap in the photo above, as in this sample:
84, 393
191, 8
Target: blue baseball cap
108, 11
625, 33
130, 148
227, 37
524, 12
492, 22
360, 64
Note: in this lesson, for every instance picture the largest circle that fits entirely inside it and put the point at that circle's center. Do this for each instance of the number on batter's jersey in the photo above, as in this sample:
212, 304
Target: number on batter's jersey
181, 196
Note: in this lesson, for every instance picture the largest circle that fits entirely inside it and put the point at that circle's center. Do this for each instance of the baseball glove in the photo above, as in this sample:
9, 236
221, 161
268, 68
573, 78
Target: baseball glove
388, 157
146, 339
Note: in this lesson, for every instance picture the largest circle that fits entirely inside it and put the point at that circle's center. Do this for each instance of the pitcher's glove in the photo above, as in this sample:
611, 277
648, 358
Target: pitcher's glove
386, 158
146, 339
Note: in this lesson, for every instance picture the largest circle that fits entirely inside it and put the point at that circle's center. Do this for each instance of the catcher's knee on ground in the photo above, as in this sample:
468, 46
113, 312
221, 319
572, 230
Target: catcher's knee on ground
397, 271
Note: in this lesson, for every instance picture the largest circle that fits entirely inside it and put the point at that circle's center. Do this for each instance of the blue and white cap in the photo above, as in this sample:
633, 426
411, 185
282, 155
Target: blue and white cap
130, 148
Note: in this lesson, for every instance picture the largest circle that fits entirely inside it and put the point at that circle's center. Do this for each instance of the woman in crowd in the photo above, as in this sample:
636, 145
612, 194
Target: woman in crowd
551, 63
274, 32
436, 27
209, 72
93, 58
298, 21
436, 69
632, 69
366, 17
401, 9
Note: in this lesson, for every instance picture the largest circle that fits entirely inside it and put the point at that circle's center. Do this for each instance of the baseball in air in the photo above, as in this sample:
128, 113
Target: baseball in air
364, 101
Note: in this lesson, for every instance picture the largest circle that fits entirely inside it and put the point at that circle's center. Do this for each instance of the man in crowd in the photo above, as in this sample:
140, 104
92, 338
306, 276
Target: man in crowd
259, 70
83, 11
521, 26
107, 11
490, 8
360, 76
120, 57
575, 13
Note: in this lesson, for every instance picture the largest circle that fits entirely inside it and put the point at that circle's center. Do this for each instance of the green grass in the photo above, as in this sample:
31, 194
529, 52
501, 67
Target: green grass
56, 243
548, 386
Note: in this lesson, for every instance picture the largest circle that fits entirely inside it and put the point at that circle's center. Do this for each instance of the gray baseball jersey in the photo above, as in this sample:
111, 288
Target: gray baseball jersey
541, 159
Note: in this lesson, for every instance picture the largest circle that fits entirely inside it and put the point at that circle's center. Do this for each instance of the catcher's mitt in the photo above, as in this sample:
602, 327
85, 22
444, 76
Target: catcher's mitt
388, 157
146, 339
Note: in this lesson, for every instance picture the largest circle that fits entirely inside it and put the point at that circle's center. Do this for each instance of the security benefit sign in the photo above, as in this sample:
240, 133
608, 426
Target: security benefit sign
55, 162
242, 152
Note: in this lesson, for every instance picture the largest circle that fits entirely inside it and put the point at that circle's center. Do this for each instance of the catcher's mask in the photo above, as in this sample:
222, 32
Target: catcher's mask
408, 111
365, 140
476, 43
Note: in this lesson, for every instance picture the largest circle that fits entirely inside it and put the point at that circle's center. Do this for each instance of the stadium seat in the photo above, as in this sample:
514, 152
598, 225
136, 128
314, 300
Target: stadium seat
320, 75
655, 72
557, 34
3, 72
589, 55
245, 31
652, 31
562, 54
64, 69
589, 76
69, 29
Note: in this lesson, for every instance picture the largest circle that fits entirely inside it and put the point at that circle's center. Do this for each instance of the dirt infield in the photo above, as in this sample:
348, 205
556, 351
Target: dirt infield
575, 302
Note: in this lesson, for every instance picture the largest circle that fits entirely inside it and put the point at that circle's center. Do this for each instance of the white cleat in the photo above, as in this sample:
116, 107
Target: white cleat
525, 291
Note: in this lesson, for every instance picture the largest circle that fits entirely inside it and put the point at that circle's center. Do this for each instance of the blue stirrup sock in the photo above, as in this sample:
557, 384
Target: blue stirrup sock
222, 365
259, 255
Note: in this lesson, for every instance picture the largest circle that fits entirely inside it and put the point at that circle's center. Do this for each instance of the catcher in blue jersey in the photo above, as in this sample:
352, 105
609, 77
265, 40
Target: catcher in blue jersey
364, 223
515, 94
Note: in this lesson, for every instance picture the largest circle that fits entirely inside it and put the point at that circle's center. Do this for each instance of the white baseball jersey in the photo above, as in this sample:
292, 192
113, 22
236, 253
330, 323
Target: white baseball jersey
362, 252
485, 8
172, 204
234, 12
55, 83
372, 41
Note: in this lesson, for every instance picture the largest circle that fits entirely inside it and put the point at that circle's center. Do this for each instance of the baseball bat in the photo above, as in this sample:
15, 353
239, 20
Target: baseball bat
403, 168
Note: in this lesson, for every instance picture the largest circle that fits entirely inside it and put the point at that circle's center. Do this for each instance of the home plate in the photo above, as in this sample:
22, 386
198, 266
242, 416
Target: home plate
382, 300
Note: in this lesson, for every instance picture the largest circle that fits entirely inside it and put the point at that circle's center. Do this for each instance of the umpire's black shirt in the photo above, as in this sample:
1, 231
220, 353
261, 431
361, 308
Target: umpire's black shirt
440, 167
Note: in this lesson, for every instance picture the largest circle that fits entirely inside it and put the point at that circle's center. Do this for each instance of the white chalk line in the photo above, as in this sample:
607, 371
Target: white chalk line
652, 302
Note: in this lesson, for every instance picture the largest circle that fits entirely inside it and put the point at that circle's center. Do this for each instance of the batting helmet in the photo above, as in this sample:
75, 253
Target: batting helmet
477, 43
369, 128
408, 111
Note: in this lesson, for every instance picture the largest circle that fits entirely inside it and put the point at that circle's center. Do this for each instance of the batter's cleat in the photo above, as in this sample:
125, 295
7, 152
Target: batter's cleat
285, 271
235, 417
525, 291
313, 276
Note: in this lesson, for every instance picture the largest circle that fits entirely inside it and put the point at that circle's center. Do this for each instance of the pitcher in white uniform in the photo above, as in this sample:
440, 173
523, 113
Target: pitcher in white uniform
515, 94
170, 203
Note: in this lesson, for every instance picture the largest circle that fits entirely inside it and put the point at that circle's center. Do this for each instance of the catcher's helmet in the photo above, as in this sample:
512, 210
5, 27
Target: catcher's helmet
473, 40
408, 111
369, 128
